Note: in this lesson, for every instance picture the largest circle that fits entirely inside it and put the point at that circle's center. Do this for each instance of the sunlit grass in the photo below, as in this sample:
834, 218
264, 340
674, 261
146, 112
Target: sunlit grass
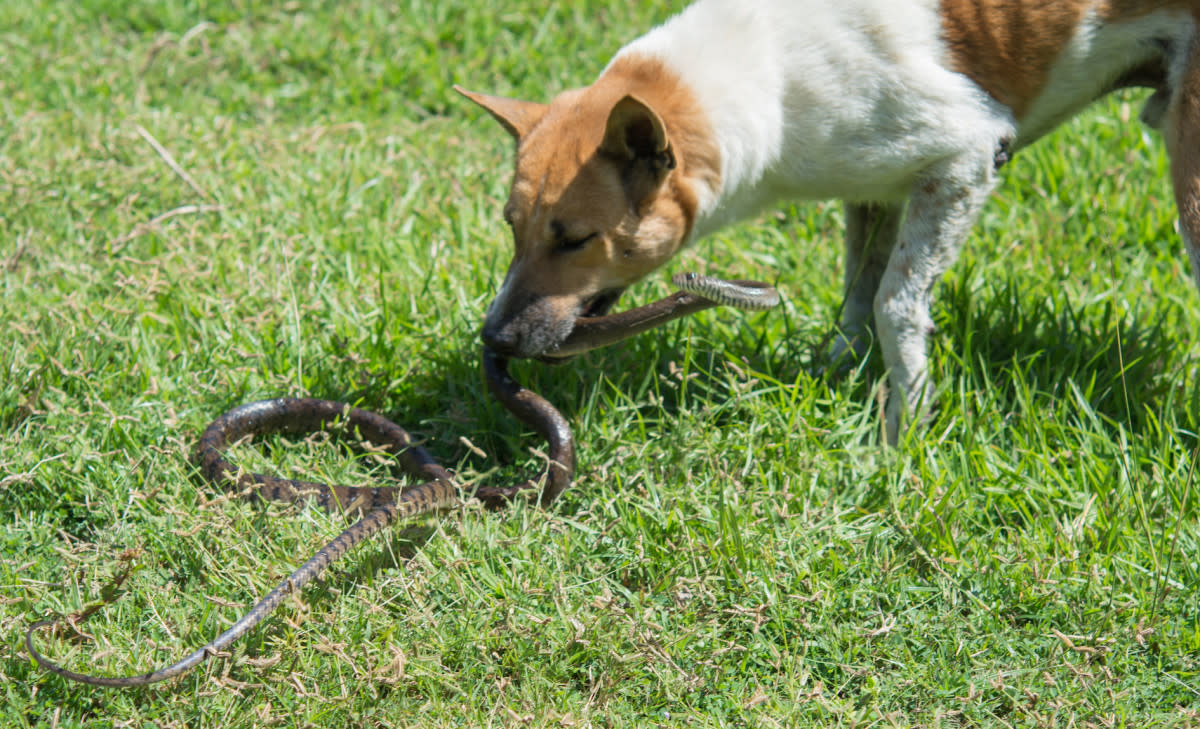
738, 549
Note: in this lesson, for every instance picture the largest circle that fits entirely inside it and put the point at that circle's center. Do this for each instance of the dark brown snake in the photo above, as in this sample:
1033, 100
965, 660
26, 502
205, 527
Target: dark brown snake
382, 506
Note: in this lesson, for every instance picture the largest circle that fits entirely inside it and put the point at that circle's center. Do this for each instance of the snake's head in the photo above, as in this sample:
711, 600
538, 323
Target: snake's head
599, 199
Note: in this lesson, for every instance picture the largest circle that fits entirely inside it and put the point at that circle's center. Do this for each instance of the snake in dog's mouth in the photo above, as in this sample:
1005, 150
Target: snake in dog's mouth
695, 293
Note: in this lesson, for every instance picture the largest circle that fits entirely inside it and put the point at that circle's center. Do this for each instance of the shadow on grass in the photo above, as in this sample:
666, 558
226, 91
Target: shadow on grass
1000, 339
1128, 367
443, 398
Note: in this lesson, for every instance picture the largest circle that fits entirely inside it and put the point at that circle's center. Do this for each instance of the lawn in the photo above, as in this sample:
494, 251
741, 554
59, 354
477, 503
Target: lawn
206, 203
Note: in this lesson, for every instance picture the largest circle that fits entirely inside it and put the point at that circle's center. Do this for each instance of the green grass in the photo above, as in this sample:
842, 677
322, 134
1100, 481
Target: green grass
738, 549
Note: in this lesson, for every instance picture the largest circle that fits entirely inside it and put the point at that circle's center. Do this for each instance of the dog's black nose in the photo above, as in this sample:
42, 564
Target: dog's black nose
501, 342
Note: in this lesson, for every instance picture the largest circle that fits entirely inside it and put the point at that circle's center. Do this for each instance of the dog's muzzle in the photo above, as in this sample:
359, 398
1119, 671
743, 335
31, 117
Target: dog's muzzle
536, 327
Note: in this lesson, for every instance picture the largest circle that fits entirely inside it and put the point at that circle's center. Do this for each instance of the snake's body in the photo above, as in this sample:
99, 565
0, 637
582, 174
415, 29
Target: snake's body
438, 490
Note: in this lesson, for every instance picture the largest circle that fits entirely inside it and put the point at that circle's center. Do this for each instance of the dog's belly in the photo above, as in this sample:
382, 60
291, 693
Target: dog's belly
1097, 55
862, 159
856, 184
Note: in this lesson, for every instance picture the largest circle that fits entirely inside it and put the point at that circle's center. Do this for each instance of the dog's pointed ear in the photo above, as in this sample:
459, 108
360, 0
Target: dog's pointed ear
636, 133
517, 117
636, 138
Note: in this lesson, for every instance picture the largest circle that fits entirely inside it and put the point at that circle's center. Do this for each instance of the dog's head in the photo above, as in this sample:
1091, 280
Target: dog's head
596, 203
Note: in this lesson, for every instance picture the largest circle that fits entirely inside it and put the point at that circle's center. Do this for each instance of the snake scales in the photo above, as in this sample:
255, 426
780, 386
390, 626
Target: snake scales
438, 490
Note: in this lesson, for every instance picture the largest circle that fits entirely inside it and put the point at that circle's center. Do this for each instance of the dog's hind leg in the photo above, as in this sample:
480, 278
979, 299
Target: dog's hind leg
871, 231
943, 206
1182, 135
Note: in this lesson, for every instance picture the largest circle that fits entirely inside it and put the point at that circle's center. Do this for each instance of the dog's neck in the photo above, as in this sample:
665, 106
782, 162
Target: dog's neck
697, 179
738, 99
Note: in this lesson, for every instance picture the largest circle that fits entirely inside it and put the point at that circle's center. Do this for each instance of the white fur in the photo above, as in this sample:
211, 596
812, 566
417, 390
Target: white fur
853, 99
1095, 56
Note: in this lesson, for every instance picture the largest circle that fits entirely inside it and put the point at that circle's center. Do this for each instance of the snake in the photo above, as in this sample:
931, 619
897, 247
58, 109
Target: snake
696, 292
438, 489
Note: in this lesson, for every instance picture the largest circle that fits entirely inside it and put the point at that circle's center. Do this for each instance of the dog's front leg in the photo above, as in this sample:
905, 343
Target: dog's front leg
871, 230
943, 205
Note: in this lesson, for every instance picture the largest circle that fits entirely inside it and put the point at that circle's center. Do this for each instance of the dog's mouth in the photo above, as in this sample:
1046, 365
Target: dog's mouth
600, 304
592, 308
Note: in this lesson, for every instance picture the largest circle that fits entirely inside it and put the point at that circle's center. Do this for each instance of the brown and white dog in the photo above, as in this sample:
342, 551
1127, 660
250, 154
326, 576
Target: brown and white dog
904, 109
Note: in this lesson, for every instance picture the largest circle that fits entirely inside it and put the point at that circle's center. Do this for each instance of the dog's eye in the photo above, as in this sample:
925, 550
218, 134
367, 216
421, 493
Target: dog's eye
573, 244
564, 243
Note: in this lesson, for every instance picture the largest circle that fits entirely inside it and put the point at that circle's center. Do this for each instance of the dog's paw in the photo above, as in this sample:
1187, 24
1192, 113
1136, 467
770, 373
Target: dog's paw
907, 410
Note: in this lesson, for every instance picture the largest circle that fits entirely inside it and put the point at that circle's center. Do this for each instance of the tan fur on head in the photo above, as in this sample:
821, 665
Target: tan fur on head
602, 195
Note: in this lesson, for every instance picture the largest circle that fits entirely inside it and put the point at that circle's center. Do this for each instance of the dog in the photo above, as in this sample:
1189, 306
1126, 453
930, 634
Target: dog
903, 109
